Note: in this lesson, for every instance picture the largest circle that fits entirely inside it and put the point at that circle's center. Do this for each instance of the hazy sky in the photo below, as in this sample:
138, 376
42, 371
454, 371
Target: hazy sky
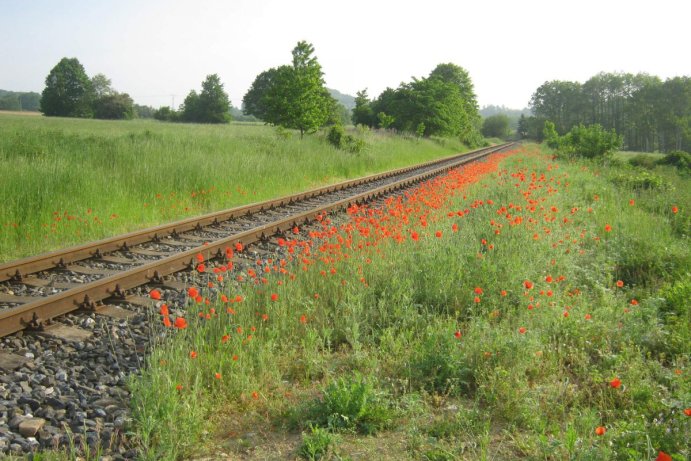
158, 50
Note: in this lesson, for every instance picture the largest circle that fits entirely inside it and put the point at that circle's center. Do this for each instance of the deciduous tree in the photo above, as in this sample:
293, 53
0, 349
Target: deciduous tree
68, 91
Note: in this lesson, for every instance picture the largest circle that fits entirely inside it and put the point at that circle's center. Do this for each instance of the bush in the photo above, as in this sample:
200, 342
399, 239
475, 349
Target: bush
317, 444
340, 140
641, 180
591, 141
678, 159
643, 161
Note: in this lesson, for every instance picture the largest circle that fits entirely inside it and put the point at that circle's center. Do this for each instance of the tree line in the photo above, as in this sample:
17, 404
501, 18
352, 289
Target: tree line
441, 104
19, 101
650, 114
292, 96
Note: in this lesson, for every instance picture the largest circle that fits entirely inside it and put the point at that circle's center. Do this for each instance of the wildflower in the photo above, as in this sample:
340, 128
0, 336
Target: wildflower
217, 375
528, 284
164, 310
200, 257
503, 292
566, 314
192, 292
454, 227
438, 234
415, 236
201, 268
615, 383
675, 209
225, 338
178, 387
634, 302
588, 316
608, 228
303, 319
235, 358
478, 290
238, 247
522, 330
600, 430
476, 299
255, 395
620, 283
274, 297
193, 355
457, 334
632, 202
662, 456
549, 279
180, 323
166, 322
155, 294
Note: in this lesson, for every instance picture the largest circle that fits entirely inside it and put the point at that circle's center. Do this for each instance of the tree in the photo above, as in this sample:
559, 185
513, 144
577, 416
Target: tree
214, 105
68, 91
496, 126
114, 106
292, 96
363, 113
101, 86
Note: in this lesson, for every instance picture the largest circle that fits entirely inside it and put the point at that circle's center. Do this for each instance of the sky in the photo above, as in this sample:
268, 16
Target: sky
159, 50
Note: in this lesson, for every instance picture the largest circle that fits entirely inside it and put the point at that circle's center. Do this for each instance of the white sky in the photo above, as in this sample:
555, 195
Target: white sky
153, 49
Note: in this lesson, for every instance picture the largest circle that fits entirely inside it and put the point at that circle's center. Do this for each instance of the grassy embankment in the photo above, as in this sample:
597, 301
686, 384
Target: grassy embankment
540, 313
67, 181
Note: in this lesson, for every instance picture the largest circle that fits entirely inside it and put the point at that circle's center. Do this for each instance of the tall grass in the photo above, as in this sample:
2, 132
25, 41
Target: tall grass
486, 314
67, 181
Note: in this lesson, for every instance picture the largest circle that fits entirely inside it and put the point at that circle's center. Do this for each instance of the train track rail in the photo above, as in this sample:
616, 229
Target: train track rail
33, 290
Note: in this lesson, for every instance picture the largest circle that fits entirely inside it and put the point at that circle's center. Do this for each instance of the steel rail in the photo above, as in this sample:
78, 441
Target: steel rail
87, 296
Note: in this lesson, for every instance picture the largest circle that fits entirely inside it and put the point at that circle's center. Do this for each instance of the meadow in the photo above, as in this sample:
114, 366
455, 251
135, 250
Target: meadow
68, 181
519, 308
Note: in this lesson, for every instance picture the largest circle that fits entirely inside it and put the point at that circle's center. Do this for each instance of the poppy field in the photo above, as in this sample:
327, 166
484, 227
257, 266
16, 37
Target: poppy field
90, 179
522, 307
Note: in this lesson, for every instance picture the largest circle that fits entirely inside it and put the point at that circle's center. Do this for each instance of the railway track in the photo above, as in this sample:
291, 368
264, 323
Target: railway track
35, 290
65, 381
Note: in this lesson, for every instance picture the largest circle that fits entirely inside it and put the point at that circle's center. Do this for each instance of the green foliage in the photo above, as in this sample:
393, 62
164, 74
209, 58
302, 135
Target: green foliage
437, 365
385, 120
363, 113
68, 91
352, 404
496, 126
444, 103
209, 106
166, 114
677, 159
114, 106
638, 179
338, 138
18, 101
652, 114
591, 142
317, 444
336, 135
292, 96
643, 161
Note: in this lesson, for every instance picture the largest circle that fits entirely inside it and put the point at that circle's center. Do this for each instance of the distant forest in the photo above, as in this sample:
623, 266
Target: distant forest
20, 101
651, 114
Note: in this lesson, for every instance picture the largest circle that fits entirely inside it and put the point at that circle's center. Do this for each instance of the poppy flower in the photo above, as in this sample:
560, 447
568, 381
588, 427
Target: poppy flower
476, 299
438, 234
238, 246
675, 209
255, 395
200, 257
303, 319
503, 292
457, 334
193, 355
615, 383
632, 202
620, 283
155, 294
178, 387
608, 228
522, 330
201, 268
217, 375
588, 316
634, 302
600, 430
528, 284
164, 310
662, 456
192, 292
180, 323
274, 297
687, 411
166, 322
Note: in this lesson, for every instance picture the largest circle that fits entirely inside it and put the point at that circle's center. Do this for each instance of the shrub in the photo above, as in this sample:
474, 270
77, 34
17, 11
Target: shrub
678, 159
437, 366
336, 135
641, 180
340, 140
643, 161
317, 444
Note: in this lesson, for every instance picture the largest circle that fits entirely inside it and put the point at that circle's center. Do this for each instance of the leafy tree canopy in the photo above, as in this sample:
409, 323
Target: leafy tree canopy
210, 106
68, 91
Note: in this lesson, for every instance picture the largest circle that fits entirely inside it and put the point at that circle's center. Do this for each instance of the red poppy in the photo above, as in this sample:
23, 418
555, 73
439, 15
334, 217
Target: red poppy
662, 456
415, 236
296, 230
166, 322
588, 316
155, 294
615, 383
217, 375
200, 257
238, 246
180, 323
687, 411
438, 234
503, 292
178, 387
193, 355
476, 299
675, 209
255, 395
274, 297
201, 268
632, 202
164, 309
620, 283
634, 302
303, 319
608, 228
600, 430
528, 284
522, 330
457, 334
192, 292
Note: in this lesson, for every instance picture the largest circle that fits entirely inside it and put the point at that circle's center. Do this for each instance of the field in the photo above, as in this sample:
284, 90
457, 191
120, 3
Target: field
522, 308
68, 181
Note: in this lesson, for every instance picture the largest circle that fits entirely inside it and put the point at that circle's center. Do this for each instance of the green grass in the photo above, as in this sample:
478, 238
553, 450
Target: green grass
440, 345
68, 181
